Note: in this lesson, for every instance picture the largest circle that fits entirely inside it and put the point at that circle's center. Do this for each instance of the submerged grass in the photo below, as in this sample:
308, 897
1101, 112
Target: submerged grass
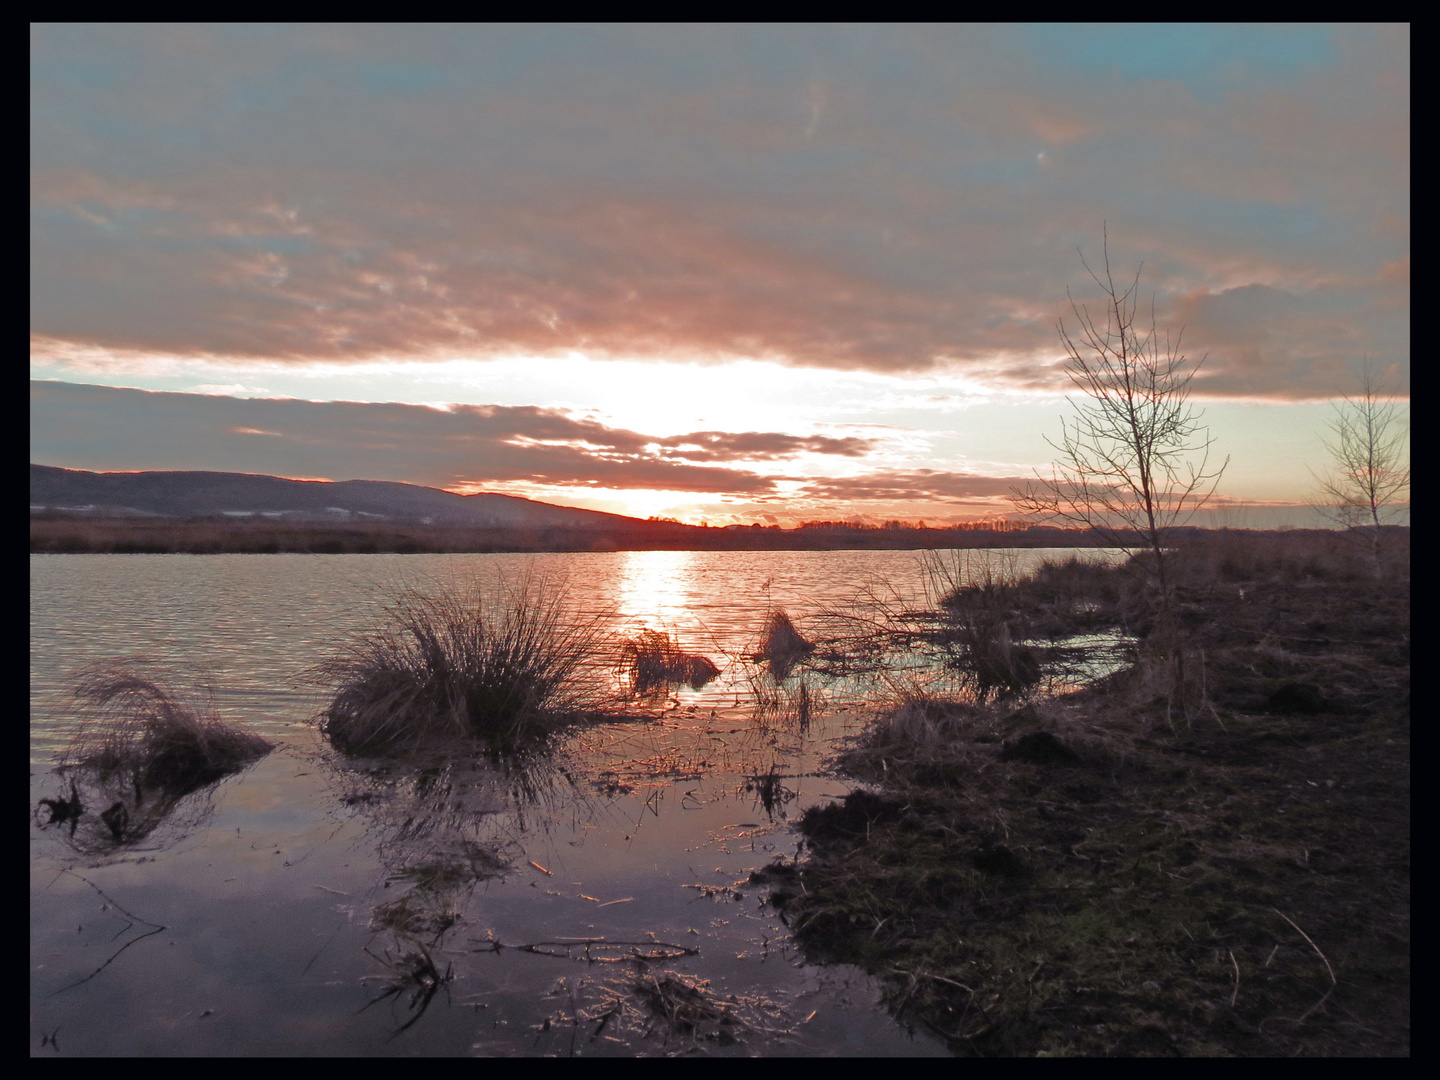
508, 663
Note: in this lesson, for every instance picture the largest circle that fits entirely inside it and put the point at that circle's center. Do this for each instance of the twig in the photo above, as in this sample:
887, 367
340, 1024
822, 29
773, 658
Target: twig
574, 1021
107, 896
541, 948
112, 959
338, 927
1236, 966
952, 982
122, 948
1333, 981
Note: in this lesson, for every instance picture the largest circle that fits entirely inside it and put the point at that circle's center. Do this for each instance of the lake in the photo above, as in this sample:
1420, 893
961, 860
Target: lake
315, 904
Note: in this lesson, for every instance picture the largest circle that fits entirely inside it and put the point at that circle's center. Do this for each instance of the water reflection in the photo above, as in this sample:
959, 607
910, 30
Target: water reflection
656, 588
441, 827
444, 861
103, 815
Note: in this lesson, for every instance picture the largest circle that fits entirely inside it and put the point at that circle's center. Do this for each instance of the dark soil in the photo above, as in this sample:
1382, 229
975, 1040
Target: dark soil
1161, 872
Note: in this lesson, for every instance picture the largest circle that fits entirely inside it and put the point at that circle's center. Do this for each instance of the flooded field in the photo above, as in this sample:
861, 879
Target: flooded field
591, 898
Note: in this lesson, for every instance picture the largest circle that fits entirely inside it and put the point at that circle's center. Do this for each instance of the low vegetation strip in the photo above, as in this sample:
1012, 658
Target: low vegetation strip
60, 533
1207, 854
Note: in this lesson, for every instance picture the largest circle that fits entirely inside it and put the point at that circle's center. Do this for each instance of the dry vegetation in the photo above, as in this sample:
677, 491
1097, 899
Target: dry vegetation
653, 661
1206, 854
781, 644
508, 664
140, 747
144, 734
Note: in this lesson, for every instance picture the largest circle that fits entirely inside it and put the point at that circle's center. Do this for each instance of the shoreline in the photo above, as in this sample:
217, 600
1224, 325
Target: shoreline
76, 535
1211, 864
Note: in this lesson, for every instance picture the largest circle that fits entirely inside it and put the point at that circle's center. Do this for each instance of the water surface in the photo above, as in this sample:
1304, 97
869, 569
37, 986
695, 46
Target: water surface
272, 913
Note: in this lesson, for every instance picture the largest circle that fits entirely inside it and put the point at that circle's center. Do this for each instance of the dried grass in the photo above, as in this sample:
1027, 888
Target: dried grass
1238, 555
141, 752
781, 644
653, 661
508, 663
143, 734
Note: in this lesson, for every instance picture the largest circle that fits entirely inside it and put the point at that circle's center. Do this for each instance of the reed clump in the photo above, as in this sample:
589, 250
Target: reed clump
508, 664
980, 645
143, 734
653, 661
782, 645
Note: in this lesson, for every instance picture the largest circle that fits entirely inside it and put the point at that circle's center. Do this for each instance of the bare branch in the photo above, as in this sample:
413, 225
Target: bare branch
1368, 482
1134, 460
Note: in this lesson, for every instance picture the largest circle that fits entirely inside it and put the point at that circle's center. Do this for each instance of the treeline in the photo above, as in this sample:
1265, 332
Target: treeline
58, 533
63, 534
998, 525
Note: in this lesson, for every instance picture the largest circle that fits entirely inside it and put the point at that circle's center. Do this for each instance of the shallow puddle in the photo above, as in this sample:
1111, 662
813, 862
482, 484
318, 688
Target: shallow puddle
279, 923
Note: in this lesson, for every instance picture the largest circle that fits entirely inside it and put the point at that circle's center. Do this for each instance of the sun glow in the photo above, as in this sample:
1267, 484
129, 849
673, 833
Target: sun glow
655, 589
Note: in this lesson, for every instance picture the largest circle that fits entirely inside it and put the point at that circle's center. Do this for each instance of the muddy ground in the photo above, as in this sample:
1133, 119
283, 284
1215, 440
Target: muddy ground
1208, 855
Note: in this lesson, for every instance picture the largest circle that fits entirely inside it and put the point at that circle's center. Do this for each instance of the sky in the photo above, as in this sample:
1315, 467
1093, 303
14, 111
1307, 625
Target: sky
729, 274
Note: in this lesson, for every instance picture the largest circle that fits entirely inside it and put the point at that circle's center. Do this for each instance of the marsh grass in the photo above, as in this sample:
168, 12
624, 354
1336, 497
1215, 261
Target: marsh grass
1240, 556
141, 747
979, 602
781, 645
652, 661
1160, 863
508, 664
146, 736
1011, 637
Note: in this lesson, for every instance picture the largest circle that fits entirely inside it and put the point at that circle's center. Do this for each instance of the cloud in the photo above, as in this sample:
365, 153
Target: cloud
887, 199
464, 445
916, 486
762, 446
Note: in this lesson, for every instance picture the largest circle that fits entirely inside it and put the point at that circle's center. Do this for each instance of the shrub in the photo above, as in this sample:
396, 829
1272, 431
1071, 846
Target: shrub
507, 663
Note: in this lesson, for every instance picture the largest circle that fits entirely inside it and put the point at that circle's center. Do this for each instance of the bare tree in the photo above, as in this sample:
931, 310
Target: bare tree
1134, 460
1369, 449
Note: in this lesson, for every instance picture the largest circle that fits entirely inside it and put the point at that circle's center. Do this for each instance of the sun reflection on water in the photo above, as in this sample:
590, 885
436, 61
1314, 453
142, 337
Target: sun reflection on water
656, 589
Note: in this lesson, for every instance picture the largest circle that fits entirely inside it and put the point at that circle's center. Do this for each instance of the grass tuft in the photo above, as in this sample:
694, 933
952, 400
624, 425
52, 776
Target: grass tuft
782, 644
507, 664
144, 734
653, 661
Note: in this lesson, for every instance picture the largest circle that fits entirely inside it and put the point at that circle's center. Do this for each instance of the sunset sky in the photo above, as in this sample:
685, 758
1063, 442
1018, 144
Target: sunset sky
730, 274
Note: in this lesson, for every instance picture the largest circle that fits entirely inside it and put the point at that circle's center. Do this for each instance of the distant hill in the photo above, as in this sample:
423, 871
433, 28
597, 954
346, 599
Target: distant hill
212, 494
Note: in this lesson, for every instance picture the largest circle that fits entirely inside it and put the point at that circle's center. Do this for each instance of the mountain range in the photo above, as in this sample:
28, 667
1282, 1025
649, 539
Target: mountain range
213, 494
